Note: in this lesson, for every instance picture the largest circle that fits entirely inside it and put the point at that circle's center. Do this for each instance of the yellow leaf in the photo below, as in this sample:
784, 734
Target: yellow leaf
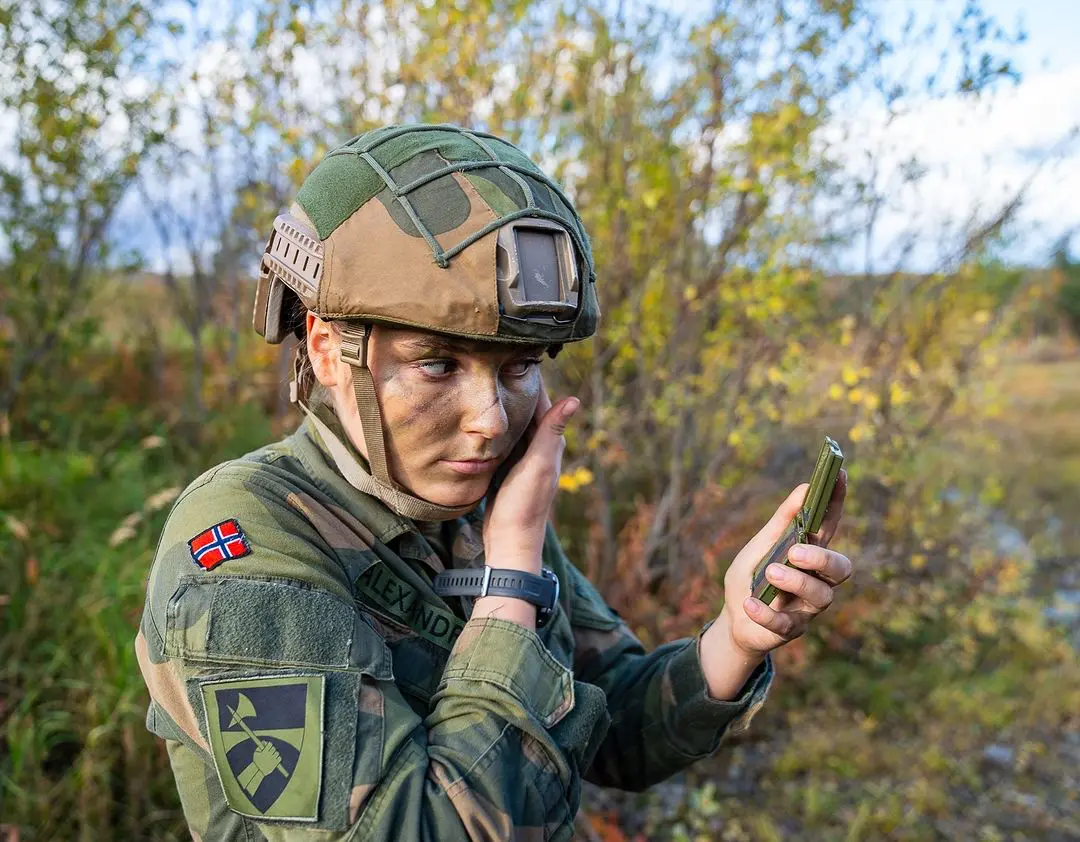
836, 391
855, 395
918, 561
734, 438
576, 480
775, 375
583, 476
568, 483
871, 401
985, 622
849, 375
596, 439
1008, 576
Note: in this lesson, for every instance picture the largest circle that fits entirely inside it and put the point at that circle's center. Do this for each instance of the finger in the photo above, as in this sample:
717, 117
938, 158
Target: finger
547, 442
832, 514
816, 593
786, 624
554, 422
783, 515
828, 565
543, 403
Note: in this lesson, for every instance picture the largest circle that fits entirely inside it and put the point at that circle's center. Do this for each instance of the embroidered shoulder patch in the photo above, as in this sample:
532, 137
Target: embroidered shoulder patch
219, 543
266, 737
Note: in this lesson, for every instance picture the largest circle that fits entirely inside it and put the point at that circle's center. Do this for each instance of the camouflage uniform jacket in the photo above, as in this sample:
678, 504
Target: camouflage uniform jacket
309, 684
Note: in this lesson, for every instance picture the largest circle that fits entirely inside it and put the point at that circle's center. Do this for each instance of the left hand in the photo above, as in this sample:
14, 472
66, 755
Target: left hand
755, 628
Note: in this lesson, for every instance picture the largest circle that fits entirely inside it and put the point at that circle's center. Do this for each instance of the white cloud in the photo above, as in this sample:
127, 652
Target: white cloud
977, 154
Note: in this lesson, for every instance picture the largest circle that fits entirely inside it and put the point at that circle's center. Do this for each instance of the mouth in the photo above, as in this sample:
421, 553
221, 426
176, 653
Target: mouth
471, 466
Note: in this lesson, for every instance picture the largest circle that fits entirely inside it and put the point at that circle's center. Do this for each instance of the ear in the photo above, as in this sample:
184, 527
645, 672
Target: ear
323, 346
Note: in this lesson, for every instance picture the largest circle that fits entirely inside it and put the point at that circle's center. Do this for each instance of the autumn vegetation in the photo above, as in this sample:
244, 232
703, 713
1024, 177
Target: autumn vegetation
752, 301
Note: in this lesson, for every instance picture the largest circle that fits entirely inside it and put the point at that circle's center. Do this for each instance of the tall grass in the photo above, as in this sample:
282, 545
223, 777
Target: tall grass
77, 532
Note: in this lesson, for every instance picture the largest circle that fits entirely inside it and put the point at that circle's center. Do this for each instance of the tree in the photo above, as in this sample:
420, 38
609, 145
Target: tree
79, 94
703, 155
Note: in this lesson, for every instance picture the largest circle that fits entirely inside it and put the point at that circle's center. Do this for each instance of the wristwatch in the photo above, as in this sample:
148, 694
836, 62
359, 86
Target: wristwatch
542, 591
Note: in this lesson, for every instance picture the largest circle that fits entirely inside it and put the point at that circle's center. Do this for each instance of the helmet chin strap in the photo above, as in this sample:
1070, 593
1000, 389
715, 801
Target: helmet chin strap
378, 483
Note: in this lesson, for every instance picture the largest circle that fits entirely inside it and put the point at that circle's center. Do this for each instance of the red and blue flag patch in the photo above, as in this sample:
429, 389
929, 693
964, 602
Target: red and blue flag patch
219, 543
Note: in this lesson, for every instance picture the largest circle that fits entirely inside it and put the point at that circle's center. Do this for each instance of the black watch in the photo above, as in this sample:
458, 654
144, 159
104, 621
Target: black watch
542, 591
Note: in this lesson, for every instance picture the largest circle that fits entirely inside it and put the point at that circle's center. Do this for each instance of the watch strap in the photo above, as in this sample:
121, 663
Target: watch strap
490, 581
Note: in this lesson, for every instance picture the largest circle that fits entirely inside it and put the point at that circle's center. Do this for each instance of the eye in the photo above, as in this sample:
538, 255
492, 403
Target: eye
437, 368
519, 368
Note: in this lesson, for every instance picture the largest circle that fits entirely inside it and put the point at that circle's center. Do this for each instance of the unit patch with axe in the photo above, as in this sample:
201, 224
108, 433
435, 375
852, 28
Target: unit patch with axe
266, 737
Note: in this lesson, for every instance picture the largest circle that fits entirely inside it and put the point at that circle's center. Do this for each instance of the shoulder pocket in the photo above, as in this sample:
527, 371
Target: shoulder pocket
270, 622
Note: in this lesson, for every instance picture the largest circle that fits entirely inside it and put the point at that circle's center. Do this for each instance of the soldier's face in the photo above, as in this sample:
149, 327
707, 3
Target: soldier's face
452, 409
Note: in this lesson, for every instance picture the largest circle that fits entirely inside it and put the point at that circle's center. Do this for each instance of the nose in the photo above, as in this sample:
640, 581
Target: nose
483, 410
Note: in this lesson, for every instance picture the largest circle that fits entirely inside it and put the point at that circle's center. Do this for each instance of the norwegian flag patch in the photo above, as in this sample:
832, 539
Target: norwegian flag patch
219, 543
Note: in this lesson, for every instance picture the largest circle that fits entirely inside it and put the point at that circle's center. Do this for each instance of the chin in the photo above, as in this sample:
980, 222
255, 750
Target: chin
454, 494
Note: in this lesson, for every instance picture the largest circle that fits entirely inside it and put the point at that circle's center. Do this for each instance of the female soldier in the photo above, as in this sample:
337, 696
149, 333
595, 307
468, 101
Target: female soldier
368, 630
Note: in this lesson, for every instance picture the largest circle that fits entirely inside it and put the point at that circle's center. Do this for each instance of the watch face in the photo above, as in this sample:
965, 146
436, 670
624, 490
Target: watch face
543, 615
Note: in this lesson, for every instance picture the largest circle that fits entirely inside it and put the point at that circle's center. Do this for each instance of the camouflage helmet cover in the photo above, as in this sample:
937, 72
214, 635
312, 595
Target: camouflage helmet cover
406, 225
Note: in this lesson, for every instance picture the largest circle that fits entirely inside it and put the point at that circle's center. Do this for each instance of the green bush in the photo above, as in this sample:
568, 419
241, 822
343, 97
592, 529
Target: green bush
1069, 293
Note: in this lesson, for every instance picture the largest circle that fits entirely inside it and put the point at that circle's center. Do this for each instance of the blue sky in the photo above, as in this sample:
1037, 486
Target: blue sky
1053, 26
991, 149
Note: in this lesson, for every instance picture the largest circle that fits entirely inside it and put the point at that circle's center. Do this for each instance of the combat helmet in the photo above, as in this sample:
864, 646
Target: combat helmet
430, 227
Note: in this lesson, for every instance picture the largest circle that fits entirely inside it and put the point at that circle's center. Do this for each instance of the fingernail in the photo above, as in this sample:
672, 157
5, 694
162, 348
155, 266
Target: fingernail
751, 605
781, 572
798, 553
570, 407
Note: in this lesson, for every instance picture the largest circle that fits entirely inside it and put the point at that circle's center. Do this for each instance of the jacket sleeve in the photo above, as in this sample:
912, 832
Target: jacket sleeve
662, 717
277, 699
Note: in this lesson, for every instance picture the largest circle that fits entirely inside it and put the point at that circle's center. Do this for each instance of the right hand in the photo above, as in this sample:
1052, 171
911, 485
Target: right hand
515, 520
266, 758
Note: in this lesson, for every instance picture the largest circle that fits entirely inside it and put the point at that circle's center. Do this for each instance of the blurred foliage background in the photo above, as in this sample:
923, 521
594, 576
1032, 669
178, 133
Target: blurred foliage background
149, 147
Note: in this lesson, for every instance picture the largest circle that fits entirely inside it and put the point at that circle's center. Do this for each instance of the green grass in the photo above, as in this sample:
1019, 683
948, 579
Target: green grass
1040, 432
76, 761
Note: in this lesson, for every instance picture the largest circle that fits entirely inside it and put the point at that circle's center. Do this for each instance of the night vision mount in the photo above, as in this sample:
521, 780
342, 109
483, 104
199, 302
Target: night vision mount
293, 260
536, 271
